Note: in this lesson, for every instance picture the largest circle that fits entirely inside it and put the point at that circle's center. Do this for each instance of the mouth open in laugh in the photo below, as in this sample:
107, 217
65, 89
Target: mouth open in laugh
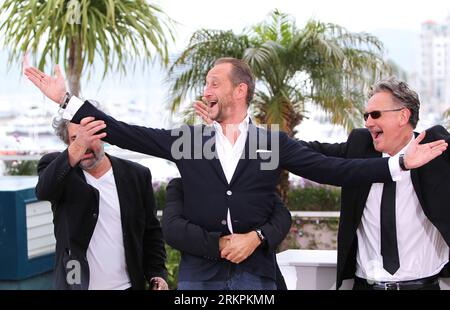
212, 103
377, 134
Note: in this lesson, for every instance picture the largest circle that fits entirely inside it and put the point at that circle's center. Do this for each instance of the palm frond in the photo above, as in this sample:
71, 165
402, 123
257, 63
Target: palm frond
116, 31
321, 63
186, 75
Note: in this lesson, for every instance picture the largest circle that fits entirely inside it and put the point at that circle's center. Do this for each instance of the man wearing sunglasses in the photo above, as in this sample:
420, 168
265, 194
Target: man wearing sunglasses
394, 235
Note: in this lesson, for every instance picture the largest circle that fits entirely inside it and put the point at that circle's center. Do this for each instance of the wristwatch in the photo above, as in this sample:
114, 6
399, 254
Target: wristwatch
65, 100
260, 235
401, 162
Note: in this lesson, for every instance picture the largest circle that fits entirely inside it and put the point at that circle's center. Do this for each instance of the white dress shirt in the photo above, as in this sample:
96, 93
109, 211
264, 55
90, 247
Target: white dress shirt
229, 154
422, 250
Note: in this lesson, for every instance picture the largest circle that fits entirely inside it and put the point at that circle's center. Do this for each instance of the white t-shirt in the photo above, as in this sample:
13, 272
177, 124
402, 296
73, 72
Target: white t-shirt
106, 252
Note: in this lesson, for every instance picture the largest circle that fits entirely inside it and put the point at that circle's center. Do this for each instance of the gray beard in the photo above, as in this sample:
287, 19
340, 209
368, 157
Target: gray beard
98, 158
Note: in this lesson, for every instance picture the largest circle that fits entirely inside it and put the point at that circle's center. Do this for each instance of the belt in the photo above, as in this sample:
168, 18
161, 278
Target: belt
400, 285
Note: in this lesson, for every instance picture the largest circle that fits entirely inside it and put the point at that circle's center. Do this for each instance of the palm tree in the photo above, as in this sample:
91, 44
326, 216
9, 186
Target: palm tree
321, 63
117, 31
447, 119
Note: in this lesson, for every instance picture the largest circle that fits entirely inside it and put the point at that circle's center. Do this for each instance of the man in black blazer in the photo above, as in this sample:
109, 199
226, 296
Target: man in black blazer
187, 237
421, 220
107, 234
230, 178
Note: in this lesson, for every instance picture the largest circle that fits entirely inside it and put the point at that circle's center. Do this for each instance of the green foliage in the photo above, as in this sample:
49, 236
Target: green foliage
318, 198
333, 224
21, 167
321, 63
172, 265
160, 195
119, 32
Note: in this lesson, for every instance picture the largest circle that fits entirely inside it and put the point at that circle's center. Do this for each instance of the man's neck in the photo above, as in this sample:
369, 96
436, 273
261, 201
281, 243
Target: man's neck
101, 168
230, 127
404, 141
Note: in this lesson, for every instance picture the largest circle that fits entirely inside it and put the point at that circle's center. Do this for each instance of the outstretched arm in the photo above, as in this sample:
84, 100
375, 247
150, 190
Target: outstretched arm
308, 163
151, 141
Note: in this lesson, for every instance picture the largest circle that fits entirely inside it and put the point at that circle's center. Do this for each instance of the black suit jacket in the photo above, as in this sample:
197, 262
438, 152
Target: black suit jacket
187, 237
250, 195
75, 206
431, 183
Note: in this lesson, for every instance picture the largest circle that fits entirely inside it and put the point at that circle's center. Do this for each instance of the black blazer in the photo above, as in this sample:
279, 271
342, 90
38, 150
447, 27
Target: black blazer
187, 237
251, 194
75, 206
431, 183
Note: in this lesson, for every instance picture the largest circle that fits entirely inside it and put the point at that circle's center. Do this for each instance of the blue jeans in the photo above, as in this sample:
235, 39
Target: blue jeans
237, 279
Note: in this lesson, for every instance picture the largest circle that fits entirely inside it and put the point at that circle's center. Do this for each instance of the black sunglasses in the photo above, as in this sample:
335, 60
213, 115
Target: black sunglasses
377, 114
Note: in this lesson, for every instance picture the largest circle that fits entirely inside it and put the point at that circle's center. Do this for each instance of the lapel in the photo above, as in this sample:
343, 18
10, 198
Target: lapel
89, 187
243, 161
245, 158
363, 193
121, 179
210, 139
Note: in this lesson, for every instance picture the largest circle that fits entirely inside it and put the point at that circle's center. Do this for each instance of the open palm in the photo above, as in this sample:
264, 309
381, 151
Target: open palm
53, 88
418, 154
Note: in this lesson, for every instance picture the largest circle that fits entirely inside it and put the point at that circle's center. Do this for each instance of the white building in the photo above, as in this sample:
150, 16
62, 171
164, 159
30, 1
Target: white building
435, 66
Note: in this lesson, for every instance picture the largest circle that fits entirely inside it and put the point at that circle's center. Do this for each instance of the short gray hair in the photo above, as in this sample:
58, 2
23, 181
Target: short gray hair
401, 94
60, 124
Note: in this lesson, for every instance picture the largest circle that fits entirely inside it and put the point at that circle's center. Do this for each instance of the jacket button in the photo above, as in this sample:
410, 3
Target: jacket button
223, 222
229, 193
94, 215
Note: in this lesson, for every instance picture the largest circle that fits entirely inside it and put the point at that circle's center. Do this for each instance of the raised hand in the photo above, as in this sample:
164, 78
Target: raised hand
417, 155
201, 110
53, 88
